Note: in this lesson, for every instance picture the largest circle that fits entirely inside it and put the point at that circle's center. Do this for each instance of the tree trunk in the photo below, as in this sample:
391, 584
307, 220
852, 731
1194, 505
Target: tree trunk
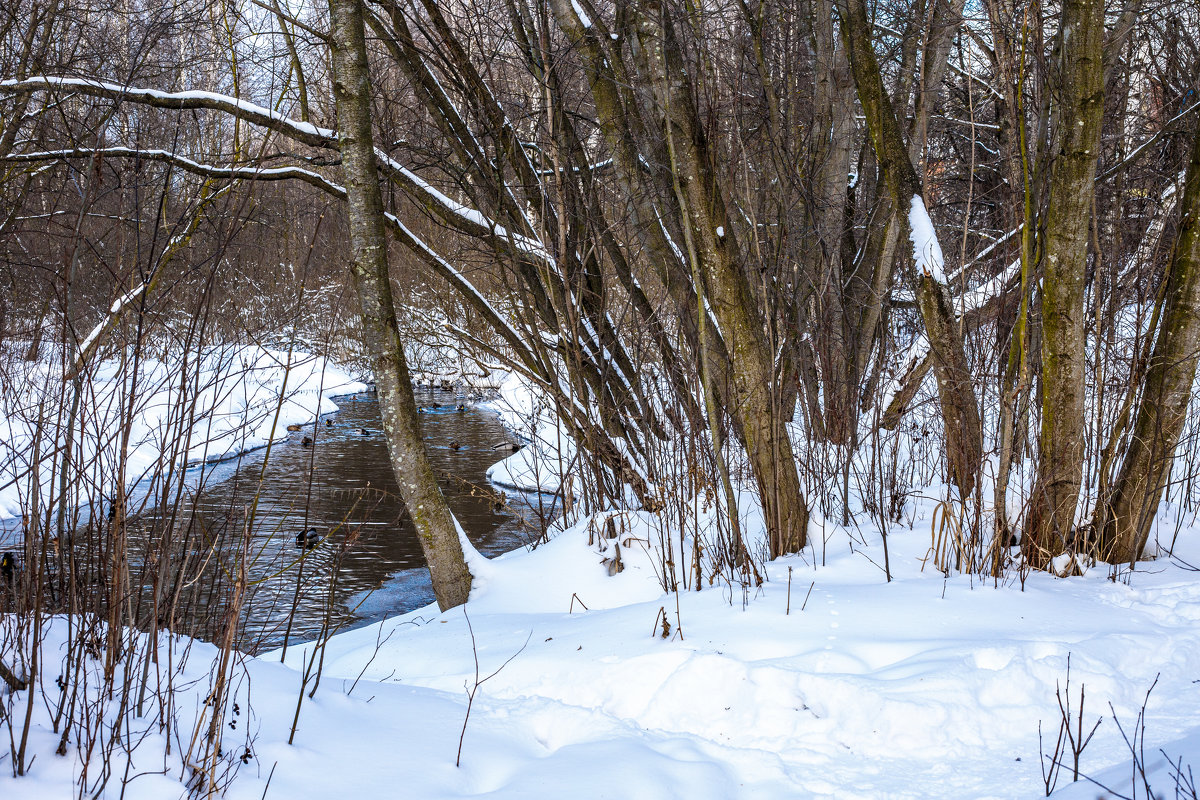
436, 527
1163, 410
1078, 116
956, 392
709, 239
687, 200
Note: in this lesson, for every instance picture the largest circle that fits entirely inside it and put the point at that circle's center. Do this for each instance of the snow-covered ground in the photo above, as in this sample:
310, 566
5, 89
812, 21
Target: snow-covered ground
825, 682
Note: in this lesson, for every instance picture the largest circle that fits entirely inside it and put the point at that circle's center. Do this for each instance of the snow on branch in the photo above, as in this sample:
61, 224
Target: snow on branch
193, 99
467, 220
89, 342
971, 301
918, 351
927, 253
189, 165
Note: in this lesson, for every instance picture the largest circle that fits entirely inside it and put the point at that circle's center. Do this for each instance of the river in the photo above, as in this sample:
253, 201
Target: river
364, 561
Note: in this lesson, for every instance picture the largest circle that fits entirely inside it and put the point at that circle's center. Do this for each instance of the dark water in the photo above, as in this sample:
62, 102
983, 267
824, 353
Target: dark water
368, 563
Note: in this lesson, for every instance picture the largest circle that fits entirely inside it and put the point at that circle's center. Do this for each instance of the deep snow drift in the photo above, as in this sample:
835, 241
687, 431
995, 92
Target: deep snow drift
826, 681
924, 687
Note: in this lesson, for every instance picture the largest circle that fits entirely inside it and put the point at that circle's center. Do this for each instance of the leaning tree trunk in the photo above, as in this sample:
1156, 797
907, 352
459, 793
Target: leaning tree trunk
686, 198
713, 249
1163, 410
1078, 117
436, 528
956, 392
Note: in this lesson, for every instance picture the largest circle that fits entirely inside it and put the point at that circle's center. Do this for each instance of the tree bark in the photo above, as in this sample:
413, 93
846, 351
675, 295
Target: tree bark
956, 392
1160, 418
1078, 117
686, 202
436, 527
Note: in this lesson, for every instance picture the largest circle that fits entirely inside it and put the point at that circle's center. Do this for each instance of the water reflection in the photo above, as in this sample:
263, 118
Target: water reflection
340, 486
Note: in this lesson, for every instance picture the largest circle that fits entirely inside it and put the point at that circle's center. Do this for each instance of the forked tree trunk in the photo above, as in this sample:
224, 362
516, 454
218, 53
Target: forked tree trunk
1078, 117
436, 528
956, 392
1160, 418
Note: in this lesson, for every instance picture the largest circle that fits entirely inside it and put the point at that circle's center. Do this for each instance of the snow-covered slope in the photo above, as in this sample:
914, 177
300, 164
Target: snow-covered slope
824, 682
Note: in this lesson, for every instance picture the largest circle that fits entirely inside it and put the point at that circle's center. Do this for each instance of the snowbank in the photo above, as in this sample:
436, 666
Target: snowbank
547, 452
824, 682
227, 401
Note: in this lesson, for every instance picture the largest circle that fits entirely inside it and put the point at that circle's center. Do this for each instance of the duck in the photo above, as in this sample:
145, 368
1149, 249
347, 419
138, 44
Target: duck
435, 405
8, 567
306, 441
461, 408
363, 432
454, 445
507, 447
308, 539
293, 428
329, 423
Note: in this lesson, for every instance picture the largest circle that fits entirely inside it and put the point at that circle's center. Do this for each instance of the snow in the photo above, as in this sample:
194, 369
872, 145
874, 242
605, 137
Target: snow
584, 19
538, 465
830, 682
196, 167
186, 99
301, 131
470, 217
825, 682
237, 390
103, 324
927, 253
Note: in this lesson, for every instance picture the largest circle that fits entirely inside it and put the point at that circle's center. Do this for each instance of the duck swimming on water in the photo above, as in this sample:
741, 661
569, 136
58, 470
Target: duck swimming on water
308, 539
454, 445
306, 441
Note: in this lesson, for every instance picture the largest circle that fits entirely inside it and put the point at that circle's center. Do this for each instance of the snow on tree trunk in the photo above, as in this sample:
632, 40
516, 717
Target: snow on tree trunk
956, 391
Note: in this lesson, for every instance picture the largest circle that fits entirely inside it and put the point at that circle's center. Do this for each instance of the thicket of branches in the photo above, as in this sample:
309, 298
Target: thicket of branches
829, 250
803, 232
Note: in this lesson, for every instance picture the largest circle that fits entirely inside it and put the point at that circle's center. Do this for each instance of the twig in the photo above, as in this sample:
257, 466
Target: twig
575, 597
480, 681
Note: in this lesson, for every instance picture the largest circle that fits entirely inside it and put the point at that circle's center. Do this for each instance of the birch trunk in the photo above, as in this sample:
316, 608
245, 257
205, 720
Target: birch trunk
436, 527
